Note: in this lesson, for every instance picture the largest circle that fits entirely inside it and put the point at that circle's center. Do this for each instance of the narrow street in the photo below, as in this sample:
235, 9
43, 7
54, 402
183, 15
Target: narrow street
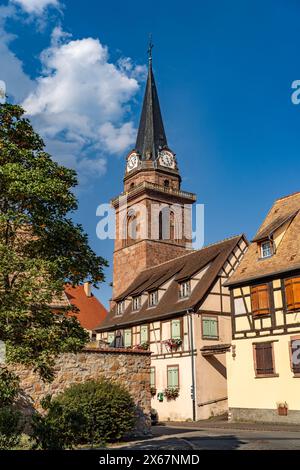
183, 437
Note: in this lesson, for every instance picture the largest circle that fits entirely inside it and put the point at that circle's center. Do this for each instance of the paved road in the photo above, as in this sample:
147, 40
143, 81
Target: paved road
171, 438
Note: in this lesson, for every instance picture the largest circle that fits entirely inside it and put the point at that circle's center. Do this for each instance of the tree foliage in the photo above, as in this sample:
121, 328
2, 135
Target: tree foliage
41, 248
9, 387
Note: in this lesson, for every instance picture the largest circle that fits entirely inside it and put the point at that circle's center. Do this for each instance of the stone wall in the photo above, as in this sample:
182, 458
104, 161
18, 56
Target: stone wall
260, 415
128, 367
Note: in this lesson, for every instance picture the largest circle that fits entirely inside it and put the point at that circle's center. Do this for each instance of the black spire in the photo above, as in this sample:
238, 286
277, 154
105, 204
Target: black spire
151, 134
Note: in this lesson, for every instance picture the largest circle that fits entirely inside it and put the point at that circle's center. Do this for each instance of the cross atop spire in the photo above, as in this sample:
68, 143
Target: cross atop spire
151, 45
151, 134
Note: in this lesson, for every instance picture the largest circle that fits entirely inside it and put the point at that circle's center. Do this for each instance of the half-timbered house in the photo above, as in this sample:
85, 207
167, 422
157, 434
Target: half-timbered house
264, 362
181, 311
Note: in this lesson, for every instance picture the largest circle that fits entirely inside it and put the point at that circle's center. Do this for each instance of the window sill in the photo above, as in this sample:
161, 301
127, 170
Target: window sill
261, 258
210, 338
296, 376
266, 376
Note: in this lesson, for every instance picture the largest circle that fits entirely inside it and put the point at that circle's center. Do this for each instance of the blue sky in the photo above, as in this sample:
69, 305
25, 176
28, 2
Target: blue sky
224, 72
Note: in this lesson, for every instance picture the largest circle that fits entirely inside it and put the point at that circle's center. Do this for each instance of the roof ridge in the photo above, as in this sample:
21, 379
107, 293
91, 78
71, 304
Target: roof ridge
195, 251
270, 210
286, 197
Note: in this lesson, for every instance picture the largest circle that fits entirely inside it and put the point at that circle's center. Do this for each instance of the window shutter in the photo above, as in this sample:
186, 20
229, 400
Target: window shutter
260, 302
152, 376
127, 338
144, 334
264, 359
173, 377
176, 329
254, 300
110, 337
206, 327
292, 292
296, 289
210, 327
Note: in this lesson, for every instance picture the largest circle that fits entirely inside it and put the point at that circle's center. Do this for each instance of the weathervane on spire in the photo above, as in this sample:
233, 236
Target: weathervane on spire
150, 48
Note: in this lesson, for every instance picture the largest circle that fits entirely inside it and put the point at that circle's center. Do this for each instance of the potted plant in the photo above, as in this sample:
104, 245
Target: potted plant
173, 344
153, 391
171, 393
143, 346
282, 408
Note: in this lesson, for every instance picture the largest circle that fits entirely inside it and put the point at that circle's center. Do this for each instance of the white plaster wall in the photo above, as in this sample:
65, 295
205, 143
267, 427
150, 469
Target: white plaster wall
181, 408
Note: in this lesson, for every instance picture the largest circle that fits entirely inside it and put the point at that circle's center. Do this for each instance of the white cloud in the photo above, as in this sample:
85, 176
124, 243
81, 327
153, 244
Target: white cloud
35, 7
83, 100
117, 139
80, 103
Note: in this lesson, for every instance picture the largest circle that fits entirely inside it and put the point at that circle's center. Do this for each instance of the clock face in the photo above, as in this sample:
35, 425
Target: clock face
167, 159
132, 161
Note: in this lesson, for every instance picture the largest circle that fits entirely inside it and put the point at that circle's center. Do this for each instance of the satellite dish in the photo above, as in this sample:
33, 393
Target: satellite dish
2, 92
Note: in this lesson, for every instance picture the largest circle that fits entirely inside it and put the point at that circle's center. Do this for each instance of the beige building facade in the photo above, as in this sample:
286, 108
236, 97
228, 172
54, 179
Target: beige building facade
264, 361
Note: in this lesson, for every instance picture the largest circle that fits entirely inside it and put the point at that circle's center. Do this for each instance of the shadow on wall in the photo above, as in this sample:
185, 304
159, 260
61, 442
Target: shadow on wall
216, 364
25, 405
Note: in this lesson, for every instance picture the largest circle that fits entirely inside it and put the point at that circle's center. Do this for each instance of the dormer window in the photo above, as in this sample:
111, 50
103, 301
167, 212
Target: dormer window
266, 249
153, 298
136, 303
184, 289
121, 307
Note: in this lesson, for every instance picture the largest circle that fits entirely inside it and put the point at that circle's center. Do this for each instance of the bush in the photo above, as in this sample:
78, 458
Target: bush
10, 427
88, 413
10, 418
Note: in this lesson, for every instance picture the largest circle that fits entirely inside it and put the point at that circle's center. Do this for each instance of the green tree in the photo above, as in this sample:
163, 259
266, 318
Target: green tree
41, 248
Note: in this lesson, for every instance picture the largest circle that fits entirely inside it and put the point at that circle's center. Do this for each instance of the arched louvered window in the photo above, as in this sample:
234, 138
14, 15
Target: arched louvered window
168, 229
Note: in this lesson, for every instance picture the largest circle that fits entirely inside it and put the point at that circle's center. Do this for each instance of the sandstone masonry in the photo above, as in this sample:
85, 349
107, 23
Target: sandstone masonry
130, 368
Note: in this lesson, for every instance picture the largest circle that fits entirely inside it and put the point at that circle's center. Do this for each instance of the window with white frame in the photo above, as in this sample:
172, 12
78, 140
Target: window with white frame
266, 249
136, 302
153, 298
121, 307
184, 289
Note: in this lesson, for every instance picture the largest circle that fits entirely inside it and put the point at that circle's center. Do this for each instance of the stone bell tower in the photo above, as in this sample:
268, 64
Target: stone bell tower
153, 222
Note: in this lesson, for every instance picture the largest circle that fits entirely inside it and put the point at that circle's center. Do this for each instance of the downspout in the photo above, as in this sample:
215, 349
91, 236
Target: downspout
193, 386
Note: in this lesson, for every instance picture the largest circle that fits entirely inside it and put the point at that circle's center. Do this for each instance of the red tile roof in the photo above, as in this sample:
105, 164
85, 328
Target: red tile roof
91, 311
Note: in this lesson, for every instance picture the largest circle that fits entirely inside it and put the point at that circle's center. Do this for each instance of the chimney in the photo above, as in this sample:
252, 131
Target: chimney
87, 289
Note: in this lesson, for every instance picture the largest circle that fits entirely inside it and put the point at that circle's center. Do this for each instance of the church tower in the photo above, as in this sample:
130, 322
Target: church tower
153, 214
